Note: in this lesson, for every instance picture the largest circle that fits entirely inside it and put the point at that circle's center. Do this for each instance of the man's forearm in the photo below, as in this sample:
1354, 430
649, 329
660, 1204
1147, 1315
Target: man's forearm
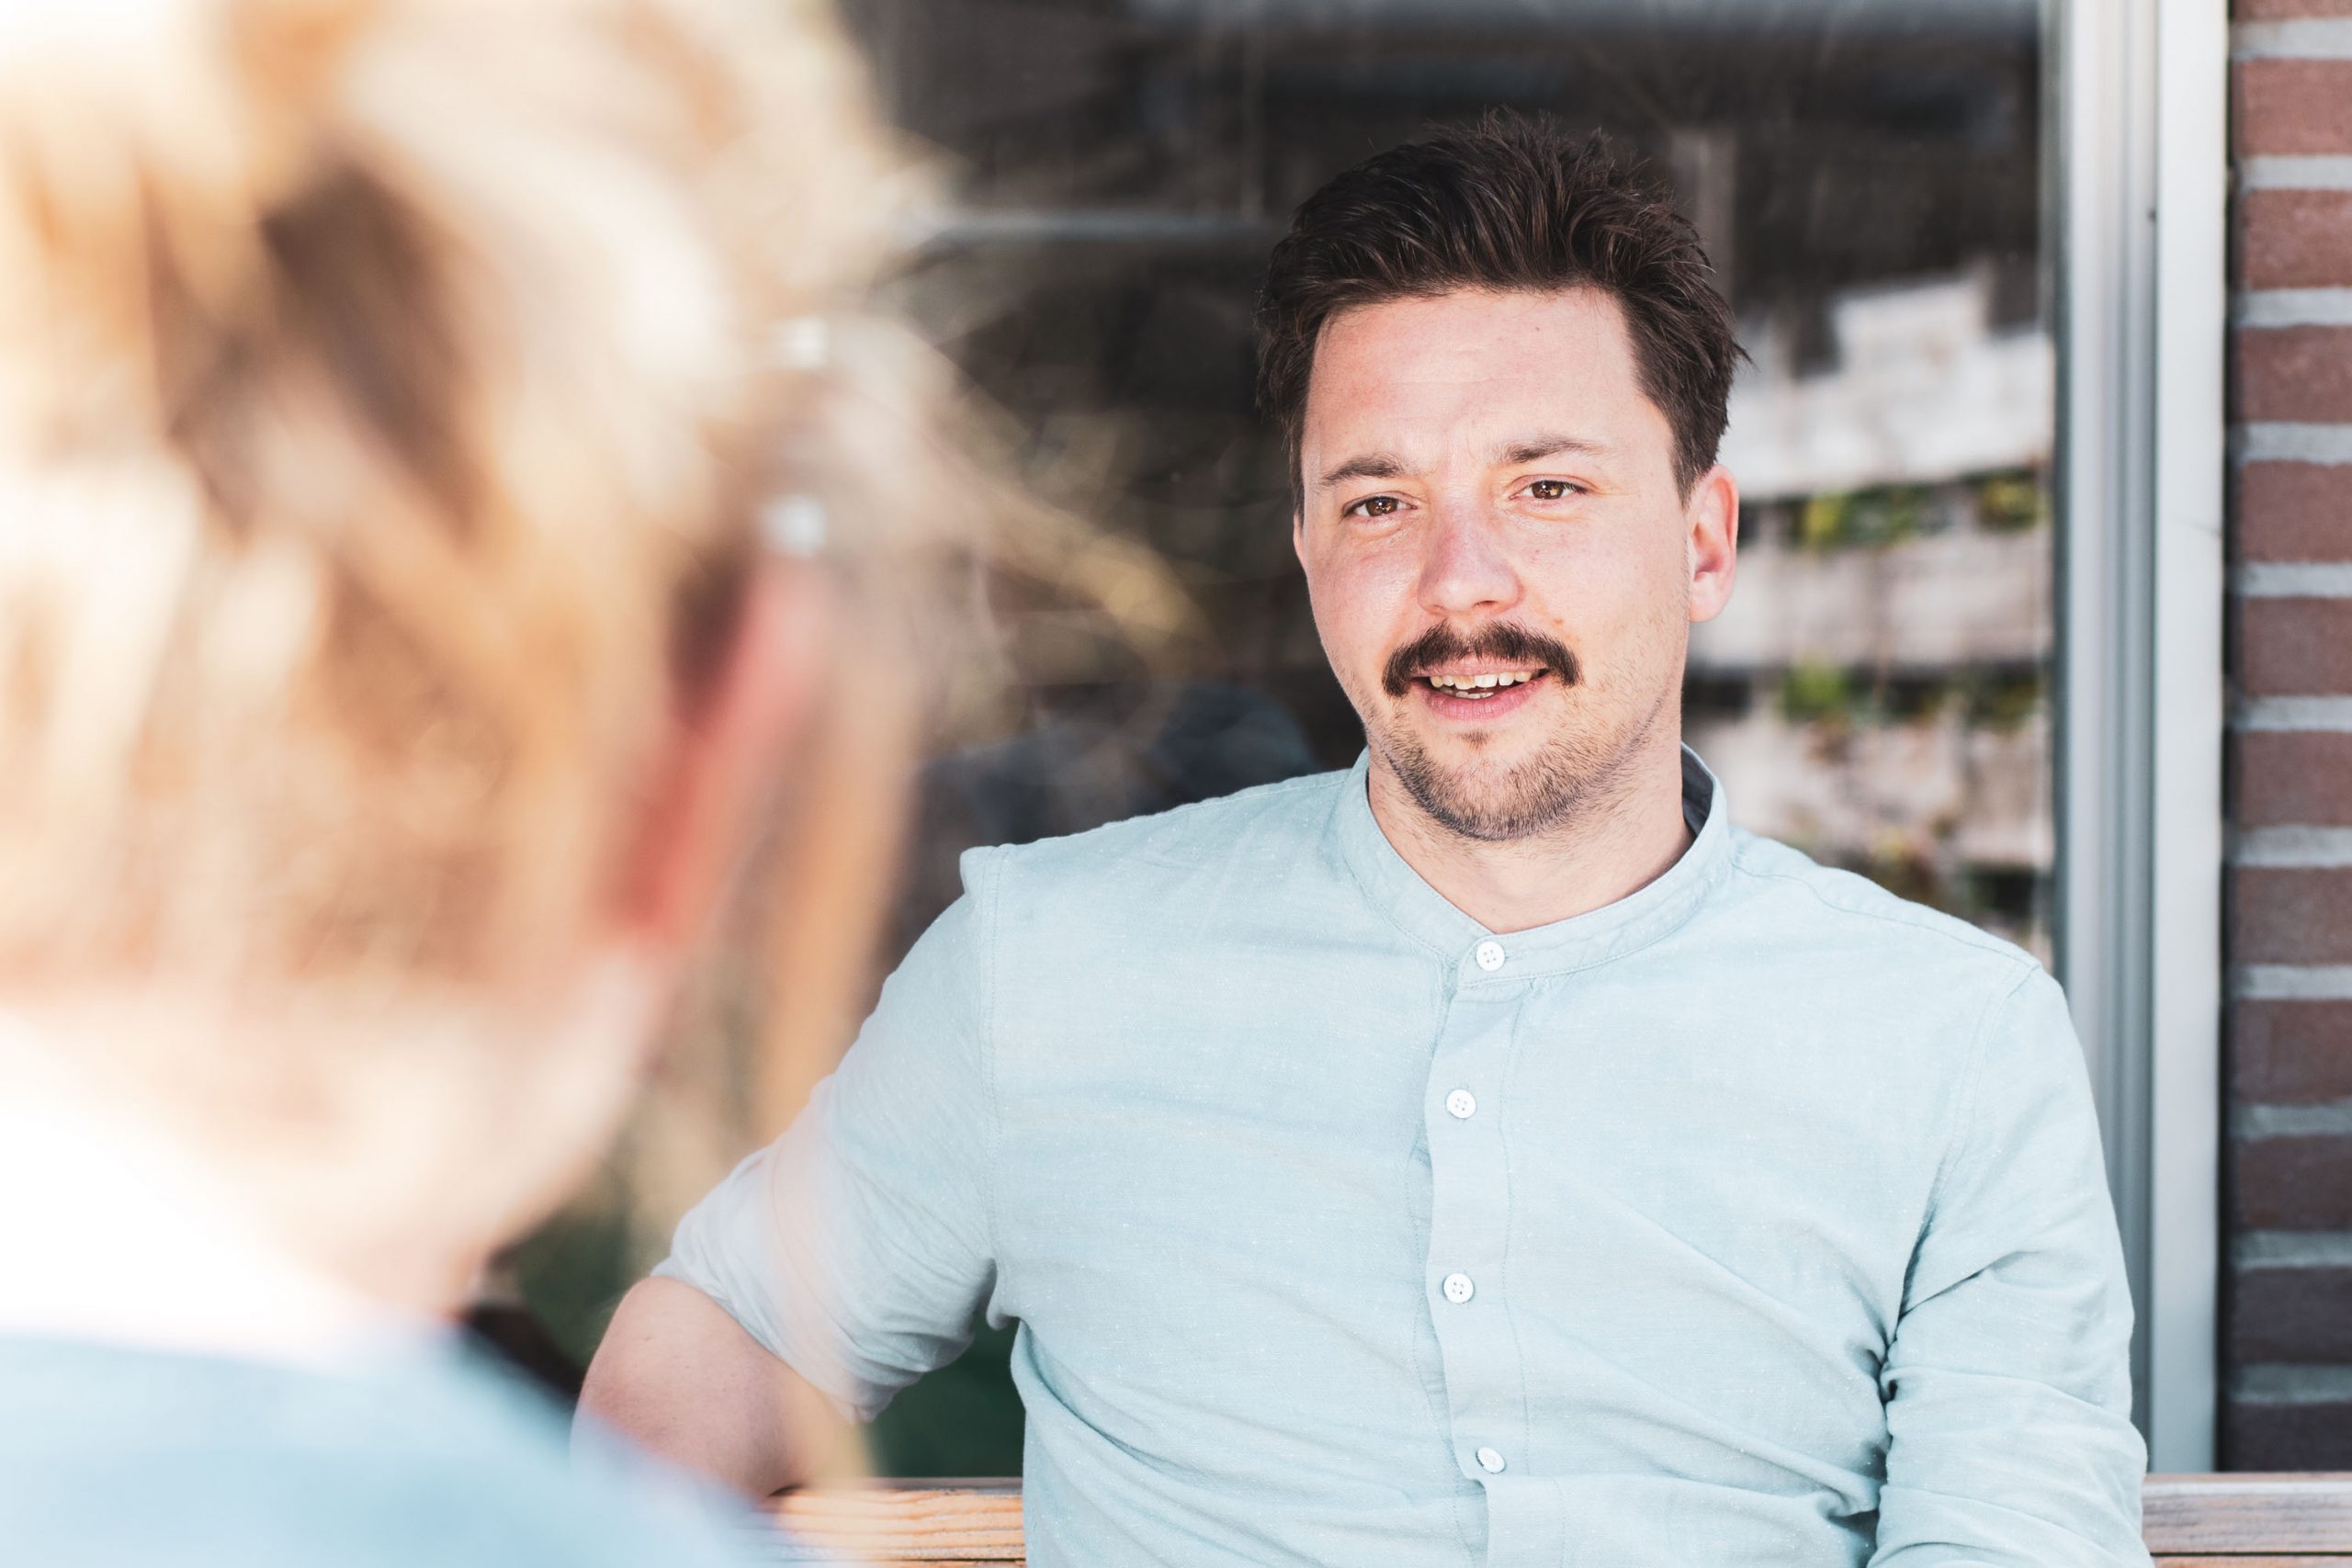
679, 1377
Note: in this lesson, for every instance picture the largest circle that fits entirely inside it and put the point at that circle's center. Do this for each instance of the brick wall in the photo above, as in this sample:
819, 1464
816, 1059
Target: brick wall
2287, 1323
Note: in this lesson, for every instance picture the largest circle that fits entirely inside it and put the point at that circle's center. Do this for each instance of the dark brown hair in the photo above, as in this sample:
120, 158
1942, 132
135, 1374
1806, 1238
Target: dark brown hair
1509, 203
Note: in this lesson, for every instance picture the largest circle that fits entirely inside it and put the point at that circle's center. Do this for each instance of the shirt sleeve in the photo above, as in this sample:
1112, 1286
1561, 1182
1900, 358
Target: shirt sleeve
859, 1246
2007, 1386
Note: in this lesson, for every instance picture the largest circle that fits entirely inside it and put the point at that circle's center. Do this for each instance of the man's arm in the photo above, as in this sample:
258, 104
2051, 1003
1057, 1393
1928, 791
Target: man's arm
838, 1265
680, 1379
2008, 1380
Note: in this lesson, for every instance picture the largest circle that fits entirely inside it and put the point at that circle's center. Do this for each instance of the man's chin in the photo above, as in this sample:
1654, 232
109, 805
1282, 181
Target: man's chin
1473, 767
1481, 794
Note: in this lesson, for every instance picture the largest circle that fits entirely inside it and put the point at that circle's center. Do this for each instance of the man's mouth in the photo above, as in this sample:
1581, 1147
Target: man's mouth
1493, 662
1480, 686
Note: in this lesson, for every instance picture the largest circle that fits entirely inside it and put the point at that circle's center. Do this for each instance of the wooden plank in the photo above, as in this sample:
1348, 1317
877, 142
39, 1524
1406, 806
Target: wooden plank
2189, 1521
948, 1524
2244, 1517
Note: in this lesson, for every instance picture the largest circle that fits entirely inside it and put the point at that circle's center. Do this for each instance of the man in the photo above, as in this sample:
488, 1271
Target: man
388, 406
1488, 1153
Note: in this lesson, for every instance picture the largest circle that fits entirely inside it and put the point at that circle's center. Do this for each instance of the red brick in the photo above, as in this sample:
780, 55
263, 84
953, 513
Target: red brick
2294, 647
2291, 915
2283, 1052
2295, 239
2294, 512
2293, 106
2286, 1314
2298, 1183
2295, 373
2292, 778
2286, 1437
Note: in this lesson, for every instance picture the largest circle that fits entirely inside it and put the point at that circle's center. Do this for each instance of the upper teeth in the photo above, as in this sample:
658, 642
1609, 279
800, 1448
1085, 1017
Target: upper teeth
1467, 682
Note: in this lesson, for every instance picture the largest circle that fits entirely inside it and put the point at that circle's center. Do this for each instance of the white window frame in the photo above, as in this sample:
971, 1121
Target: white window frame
2138, 94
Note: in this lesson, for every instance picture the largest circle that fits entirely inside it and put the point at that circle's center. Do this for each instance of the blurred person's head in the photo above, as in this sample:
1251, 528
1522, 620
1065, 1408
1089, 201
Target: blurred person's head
390, 666
1501, 369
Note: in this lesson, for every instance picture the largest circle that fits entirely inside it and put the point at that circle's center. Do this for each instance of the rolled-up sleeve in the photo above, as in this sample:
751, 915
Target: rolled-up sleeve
859, 1246
2008, 1380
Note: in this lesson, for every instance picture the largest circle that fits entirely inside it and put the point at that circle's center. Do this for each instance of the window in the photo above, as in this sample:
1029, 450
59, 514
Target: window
1867, 175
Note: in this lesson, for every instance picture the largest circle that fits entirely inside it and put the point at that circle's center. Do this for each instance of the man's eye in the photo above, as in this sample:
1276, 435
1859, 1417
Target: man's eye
1551, 489
1371, 506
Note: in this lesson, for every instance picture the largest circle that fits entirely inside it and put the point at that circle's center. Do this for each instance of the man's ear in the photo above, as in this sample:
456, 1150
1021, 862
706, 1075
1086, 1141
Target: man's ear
1710, 524
720, 763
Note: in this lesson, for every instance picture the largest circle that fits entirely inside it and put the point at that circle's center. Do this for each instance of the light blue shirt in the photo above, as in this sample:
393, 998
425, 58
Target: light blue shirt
419, 1456
1756, 1218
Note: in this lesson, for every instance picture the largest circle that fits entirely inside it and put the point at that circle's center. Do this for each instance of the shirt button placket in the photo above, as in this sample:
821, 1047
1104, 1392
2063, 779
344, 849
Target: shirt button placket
1469, 1198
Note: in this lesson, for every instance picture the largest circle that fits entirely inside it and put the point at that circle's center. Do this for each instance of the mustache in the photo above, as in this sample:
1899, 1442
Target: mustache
1503, 642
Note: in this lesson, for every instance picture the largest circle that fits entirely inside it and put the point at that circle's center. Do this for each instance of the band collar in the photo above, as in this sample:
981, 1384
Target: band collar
1481, 957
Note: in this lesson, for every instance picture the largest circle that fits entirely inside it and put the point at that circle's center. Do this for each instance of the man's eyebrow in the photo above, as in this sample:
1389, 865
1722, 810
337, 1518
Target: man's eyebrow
1370, 466
1536, 446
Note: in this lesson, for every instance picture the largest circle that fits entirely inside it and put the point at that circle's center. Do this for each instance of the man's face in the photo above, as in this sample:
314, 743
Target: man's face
1503, 566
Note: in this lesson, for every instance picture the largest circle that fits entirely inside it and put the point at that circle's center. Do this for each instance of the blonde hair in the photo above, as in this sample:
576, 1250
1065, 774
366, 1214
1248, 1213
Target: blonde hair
390, 393
386, 401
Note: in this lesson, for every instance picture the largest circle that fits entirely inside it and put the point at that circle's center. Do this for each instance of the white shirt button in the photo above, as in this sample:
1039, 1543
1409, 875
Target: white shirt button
1489, 955
1491, 1461
1458, 1289
1461, 1104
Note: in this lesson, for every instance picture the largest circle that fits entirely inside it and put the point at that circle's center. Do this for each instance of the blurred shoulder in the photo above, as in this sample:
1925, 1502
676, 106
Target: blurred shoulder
417, 1459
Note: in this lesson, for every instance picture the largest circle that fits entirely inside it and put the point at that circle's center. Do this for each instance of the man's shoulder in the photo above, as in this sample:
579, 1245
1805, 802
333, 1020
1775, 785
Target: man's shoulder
1262, 829
1804, 899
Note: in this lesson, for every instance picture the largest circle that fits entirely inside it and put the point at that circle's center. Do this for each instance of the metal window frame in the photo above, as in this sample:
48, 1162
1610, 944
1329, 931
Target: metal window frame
2139, 189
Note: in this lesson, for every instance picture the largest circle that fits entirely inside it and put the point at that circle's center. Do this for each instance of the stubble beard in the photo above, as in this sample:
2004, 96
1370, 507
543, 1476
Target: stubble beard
1571, 777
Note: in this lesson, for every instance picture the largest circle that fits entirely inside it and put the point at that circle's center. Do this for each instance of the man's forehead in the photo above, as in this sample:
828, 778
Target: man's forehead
1486, 367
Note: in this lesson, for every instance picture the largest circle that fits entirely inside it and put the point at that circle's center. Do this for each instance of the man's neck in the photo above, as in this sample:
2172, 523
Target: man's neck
1620, 842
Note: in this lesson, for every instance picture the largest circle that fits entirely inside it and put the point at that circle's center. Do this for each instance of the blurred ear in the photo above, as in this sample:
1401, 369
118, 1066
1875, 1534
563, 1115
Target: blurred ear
1710, 518
719, 768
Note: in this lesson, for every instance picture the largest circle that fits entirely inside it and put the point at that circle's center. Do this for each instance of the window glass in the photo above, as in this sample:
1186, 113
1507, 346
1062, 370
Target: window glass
1866, 176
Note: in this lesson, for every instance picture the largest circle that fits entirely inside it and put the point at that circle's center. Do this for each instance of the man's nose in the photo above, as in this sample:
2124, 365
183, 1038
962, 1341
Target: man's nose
1466, 566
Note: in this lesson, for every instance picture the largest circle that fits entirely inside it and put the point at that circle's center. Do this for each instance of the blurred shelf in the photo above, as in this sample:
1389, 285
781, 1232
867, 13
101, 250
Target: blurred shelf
1963, 598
